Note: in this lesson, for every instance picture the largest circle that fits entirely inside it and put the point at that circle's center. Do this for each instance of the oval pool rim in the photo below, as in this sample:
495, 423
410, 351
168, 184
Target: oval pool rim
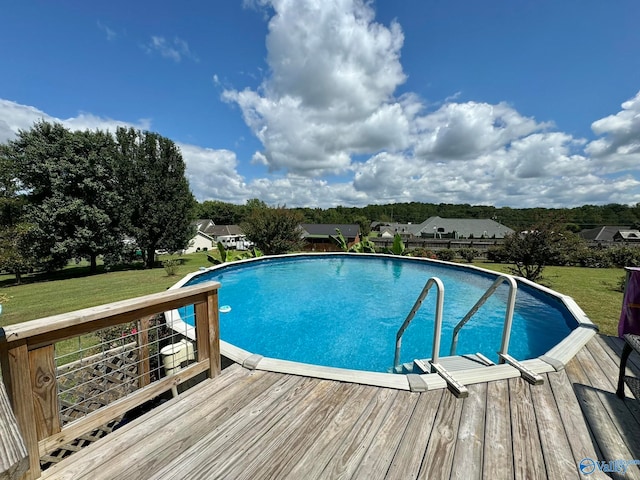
554, 359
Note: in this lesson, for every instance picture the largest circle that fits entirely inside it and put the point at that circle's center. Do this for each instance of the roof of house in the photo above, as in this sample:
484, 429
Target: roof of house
329, 229
602, 234
221, 230
204, 225
464, 227
628, 234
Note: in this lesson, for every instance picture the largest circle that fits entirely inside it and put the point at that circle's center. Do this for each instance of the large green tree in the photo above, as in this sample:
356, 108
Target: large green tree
74, 204
274, 230
15, 254
159, 204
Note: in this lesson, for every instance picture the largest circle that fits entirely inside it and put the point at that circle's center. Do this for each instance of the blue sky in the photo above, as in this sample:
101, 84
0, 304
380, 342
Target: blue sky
321, 103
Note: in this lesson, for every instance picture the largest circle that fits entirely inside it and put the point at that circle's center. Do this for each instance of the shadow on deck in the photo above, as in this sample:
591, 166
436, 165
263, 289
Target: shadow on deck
256, 424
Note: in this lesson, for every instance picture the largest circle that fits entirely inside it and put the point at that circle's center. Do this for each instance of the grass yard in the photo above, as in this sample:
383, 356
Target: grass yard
595, 290
73, 289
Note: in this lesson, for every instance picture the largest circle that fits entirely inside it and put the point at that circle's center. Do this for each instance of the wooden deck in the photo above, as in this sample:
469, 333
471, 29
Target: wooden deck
258, 424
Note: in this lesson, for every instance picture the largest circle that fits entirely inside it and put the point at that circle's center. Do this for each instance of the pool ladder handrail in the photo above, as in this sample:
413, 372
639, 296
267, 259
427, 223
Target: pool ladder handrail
438, 320
508, 318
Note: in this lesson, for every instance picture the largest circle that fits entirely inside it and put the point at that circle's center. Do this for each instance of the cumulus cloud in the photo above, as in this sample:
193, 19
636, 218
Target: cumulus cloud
460, 131
334, 131
212, 174
175, 49
15, 117
619, 149
329, 95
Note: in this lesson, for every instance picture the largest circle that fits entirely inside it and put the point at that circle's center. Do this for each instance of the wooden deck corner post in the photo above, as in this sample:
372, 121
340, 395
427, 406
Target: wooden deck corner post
208, 332
17, 377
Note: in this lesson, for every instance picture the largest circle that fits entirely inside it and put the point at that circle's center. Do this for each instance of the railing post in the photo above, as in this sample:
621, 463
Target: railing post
208, 332
144, 363
45, 390
17, 377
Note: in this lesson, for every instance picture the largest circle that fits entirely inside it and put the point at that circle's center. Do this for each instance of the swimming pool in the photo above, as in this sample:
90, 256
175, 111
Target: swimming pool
343, 311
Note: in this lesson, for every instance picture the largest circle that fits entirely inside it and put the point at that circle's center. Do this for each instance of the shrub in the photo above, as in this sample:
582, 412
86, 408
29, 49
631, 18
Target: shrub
171, 266
592, 258
422, 253
468, 254
624, 256
446, 254
497, 255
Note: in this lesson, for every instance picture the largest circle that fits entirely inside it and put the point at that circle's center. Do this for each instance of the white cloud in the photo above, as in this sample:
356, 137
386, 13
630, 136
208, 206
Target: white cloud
111, 34
619, 149
329, 95
460, 131
15, 117
328, 107
175, 49
212, 174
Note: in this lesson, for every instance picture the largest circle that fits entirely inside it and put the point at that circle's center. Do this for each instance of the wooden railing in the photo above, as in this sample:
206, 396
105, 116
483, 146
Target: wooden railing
29, 370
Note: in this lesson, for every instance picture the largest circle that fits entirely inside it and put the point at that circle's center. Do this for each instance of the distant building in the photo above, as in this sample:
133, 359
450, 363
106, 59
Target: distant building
321, 237
627, 236
208, 234
609, 233
438, 227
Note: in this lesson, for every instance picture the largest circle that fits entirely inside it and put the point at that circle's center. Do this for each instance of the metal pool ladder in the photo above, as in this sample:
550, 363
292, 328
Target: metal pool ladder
508, 318
436, 366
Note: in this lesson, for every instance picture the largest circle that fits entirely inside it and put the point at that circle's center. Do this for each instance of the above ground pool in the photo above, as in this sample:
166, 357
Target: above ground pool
340, 310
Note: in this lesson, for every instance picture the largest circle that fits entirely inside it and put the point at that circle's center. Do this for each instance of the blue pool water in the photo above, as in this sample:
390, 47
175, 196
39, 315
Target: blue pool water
345, 311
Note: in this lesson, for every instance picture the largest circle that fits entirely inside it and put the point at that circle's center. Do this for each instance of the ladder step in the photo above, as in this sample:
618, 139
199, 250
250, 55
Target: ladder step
459, 390
527, 374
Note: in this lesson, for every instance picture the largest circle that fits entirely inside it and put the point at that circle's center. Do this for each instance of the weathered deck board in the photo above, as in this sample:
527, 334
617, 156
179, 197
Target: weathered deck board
556, 448
470, 440
595, 401
438, 458
528, 461
408, 456
581, 443
258, 424
498, 447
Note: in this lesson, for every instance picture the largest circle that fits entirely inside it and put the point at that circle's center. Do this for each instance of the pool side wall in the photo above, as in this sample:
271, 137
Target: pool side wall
553, 360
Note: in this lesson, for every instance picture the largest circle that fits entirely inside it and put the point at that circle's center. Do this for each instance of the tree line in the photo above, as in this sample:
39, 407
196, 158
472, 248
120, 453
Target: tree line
573, 219
68, 195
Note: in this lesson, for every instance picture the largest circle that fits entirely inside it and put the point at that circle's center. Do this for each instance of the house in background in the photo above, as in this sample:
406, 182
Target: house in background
631, 236
610, 234
456, 228
208, 234
320, 237
230, 236
200, 241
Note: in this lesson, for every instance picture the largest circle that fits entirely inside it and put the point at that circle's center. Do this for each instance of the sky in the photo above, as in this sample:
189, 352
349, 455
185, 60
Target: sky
320, 103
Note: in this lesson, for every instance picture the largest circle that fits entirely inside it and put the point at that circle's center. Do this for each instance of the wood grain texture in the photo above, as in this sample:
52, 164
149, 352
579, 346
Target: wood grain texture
45, 391
498, 445
528, 461
257, 424
14, 460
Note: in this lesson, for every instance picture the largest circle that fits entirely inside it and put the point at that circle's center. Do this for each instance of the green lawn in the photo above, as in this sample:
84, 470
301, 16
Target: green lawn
595, 290
74, 288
